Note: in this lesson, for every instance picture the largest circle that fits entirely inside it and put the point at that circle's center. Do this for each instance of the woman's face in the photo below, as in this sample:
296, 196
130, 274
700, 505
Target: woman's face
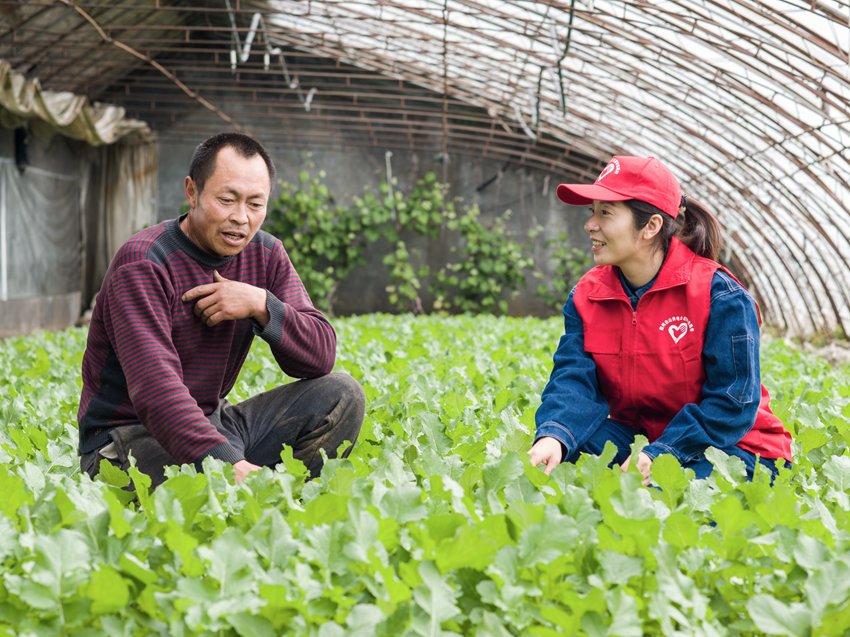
614, 239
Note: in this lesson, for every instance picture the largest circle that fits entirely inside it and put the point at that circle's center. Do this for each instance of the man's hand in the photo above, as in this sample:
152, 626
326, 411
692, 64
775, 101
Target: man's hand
644, 465
225, 300
243, 468
546, 450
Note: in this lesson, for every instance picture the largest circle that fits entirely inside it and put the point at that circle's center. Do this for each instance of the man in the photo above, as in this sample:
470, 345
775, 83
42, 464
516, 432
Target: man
174, 319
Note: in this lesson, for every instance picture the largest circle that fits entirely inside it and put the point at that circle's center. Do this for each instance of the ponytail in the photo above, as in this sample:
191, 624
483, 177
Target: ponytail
695, 226
699, 229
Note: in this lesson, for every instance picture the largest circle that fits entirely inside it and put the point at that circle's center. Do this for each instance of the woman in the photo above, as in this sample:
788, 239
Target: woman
660, 339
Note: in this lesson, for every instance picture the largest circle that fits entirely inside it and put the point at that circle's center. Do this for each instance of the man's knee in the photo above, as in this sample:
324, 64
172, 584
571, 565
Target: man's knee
340, 401
351, 402
337, 389
349, 390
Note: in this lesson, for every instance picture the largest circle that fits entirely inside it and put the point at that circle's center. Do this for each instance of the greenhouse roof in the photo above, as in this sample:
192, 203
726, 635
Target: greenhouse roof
748, 101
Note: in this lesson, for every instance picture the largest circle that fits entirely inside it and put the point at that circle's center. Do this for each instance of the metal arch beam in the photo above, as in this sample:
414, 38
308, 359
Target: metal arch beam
747, 158
759, 230
763, 292
757, 225
800, 256
809, 160
71, 63
762, 288
782, 269
789, 240
815, 321
833, 265
755, 229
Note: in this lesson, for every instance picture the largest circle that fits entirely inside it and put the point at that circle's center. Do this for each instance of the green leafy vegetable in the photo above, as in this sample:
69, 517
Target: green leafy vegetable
436, 524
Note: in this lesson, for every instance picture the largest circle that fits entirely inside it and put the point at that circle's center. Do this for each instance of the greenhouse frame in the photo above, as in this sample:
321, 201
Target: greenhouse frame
747, 101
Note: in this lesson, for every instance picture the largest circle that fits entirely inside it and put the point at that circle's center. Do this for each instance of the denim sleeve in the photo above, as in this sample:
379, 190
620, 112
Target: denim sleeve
730, 395
571, 402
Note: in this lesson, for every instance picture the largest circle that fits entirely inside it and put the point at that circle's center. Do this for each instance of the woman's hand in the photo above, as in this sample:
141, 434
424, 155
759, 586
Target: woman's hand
546, 450
644, 465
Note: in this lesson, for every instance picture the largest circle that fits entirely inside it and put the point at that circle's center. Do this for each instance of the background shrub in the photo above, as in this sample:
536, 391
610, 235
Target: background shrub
483, 267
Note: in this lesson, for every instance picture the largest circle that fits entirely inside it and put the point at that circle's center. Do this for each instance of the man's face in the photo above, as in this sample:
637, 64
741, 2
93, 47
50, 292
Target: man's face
226, 214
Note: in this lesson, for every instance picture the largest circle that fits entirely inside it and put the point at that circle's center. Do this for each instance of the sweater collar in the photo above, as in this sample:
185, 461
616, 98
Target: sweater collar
186, 245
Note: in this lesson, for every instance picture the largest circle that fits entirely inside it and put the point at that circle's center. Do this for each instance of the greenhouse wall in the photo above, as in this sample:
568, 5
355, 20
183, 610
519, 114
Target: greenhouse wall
495, 186
40, 234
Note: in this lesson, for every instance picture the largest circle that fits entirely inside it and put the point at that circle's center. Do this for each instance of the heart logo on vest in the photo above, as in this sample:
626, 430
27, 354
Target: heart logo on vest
677, 332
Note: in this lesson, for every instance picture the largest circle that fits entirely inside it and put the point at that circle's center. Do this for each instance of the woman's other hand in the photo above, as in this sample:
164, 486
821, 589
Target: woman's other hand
644, 465
546, 450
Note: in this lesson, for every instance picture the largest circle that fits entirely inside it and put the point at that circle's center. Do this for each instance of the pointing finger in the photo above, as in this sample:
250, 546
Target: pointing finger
197, 292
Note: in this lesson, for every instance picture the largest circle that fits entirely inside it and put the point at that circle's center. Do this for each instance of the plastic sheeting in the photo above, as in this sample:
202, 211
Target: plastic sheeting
40, 232
119, 199
59, 230
71, 115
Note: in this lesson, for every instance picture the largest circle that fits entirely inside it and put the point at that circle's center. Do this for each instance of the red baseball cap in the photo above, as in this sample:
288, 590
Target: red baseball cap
624, 178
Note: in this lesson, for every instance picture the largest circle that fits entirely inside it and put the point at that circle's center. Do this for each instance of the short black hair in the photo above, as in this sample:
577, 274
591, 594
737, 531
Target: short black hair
203, 159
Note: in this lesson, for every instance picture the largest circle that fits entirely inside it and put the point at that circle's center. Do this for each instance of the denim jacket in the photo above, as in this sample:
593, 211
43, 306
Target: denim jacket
573, 408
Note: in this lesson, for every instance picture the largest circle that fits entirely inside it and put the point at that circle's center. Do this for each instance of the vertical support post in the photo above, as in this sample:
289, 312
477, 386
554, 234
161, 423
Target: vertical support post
445, 141
4, 274
388, 156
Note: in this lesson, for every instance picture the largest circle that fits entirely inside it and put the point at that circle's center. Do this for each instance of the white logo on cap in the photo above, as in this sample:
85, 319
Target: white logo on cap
612, 167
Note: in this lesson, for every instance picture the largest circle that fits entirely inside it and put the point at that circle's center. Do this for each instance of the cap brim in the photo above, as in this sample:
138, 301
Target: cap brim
583, 194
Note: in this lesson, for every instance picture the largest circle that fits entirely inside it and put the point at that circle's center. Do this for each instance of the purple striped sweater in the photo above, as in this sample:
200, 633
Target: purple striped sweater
150, 360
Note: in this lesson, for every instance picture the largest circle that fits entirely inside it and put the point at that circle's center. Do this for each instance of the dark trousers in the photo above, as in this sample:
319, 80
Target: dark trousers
308, 415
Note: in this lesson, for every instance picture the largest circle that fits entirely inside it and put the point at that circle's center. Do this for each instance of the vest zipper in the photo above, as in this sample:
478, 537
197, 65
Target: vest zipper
630, 376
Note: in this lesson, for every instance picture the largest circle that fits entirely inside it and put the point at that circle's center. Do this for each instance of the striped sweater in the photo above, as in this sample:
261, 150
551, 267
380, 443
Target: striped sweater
150, 360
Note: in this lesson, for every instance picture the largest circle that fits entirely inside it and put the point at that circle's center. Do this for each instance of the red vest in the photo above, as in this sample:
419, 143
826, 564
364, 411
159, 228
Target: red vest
649, 361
